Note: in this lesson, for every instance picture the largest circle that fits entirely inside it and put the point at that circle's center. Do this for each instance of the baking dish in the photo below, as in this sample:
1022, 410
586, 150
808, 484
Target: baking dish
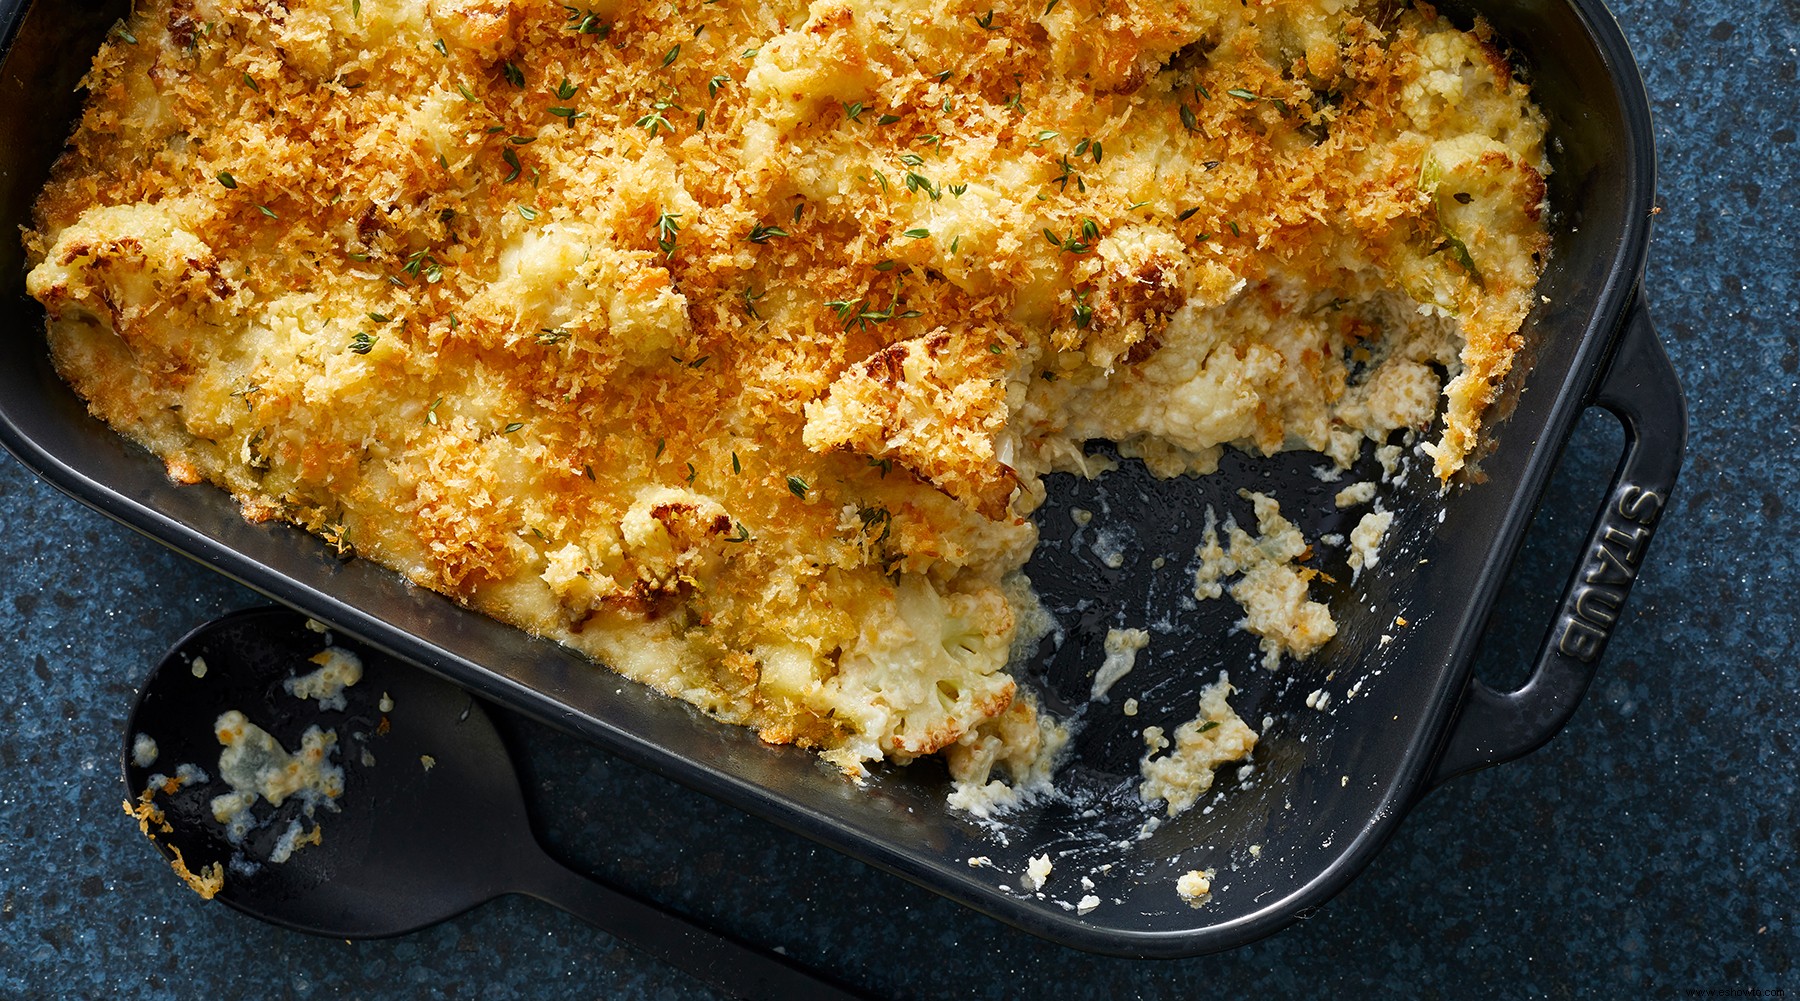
1326, 788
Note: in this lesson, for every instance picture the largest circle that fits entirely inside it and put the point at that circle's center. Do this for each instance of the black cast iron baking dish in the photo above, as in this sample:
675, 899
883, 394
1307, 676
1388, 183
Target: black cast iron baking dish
1326, 788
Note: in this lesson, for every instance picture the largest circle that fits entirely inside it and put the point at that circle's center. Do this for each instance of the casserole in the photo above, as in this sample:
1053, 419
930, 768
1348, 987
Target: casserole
1292, 830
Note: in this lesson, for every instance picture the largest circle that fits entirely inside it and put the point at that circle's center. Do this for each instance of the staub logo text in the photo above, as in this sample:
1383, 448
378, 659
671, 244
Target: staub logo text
1599, 594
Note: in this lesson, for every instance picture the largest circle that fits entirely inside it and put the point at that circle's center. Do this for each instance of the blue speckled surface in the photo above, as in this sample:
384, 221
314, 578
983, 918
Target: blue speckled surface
1649, 850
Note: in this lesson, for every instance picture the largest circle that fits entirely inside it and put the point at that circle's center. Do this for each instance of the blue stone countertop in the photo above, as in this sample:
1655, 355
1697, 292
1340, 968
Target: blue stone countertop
1648, 851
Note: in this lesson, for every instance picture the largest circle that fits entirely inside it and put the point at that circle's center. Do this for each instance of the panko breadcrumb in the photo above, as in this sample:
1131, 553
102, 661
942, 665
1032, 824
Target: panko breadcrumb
728, 343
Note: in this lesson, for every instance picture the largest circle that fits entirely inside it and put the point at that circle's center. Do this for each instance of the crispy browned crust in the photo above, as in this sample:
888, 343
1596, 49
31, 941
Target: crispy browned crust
693, 394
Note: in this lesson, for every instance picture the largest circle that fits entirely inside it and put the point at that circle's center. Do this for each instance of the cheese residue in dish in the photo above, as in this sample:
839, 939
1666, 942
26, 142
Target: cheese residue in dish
143, 750
338, 670
729, 343
1121, 646
1194, 885
1215, 737
257, 767
1365, 539
1272, 589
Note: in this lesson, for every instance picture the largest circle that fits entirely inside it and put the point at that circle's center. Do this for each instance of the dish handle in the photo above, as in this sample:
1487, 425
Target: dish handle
1641, 390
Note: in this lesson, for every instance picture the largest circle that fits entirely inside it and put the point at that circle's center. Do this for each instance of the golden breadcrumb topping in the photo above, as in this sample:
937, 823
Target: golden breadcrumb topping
728, 342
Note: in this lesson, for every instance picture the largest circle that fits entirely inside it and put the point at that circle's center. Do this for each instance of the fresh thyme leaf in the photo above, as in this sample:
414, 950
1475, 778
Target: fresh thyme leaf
565, 90
671, 55
226, 179
512, 160
439, 45
510, 428
363, 342
656, 120
586, 22
1243, 95
514, 75
797, 487
667, 225
917, 234
421, 262
919, 182
763, 234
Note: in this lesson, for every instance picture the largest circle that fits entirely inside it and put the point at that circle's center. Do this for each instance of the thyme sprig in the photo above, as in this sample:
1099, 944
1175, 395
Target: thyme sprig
586, 22
667, 225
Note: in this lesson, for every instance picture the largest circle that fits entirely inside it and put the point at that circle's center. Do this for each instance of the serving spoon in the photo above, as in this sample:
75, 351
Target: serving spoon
431, 821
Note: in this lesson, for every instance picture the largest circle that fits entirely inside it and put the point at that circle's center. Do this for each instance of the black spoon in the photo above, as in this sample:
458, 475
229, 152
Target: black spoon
431, 823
